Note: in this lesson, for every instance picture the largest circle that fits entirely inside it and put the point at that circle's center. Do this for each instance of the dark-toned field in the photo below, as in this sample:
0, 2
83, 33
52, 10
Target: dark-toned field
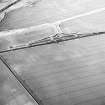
11, 91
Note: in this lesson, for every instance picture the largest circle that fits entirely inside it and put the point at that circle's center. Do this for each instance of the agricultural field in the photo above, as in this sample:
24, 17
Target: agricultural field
52, 52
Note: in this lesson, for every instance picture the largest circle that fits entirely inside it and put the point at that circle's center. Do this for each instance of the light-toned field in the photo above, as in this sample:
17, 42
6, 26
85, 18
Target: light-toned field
48, 11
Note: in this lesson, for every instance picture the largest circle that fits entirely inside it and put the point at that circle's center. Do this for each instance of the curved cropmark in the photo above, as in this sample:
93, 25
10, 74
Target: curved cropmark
2, 16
